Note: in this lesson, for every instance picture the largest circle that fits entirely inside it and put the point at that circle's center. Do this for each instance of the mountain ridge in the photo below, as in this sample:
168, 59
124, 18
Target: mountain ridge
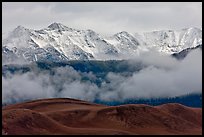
58, 42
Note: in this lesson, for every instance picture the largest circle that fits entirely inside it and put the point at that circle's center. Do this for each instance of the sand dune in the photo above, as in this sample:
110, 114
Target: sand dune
71, 116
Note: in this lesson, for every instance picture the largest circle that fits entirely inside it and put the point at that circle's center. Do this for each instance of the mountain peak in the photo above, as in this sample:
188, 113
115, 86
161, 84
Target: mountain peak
19, 27
122, 34
57, 26
20, 30
90, 31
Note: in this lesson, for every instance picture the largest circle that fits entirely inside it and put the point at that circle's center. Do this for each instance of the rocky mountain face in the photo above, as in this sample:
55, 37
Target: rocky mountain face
58, 42
184, 53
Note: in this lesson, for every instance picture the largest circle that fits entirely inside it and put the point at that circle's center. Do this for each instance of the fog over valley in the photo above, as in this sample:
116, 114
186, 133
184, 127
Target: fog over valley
148, 76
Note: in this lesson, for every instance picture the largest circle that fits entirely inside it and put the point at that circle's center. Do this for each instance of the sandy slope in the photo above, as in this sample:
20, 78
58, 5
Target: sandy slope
71, 116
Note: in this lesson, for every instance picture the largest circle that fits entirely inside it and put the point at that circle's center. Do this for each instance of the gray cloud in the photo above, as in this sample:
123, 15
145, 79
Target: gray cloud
104, 18
182, 77
164, 78
25, 87
66, 82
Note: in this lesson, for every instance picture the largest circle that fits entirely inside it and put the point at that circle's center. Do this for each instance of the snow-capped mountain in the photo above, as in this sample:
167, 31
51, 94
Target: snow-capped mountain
58, 42
170, 41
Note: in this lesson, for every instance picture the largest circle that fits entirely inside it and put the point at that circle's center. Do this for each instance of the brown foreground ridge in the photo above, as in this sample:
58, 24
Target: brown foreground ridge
71, 116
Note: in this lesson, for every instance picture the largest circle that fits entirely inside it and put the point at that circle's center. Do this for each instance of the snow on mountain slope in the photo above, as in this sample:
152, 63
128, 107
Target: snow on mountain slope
170, 41
127, 44
58, 42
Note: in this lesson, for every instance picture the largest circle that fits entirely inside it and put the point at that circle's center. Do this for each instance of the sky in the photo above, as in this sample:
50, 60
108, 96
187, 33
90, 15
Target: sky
106, 18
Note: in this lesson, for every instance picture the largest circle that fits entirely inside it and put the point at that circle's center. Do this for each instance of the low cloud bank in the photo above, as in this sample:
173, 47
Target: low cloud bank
164, 77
